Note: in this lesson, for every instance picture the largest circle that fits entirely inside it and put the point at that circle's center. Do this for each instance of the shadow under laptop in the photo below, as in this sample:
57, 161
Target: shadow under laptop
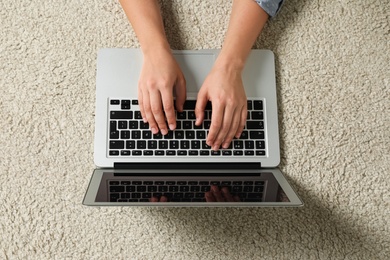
327, 233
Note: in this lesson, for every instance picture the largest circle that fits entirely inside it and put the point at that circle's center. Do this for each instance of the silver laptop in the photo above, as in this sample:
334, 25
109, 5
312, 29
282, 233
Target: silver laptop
138, 168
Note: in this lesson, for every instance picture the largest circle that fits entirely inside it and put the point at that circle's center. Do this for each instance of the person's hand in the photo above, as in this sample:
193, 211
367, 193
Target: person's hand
156, 199
160, 79
225, 90
220, 195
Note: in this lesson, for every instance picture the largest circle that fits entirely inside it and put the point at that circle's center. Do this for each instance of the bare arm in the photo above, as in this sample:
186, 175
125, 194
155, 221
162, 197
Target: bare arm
160, 73
223, 86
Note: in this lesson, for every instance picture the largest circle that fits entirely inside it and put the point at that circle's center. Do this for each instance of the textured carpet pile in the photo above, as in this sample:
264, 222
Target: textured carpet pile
332, 66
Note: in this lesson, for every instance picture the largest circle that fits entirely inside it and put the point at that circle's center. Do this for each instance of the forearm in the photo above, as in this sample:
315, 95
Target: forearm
246, 22
145, 18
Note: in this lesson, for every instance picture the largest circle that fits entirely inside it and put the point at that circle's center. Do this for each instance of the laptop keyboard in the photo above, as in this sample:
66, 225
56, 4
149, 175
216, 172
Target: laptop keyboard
182, 191
130, 136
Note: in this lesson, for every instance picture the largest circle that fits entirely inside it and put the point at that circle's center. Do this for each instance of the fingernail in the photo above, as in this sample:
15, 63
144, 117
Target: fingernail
164, 131
145, 120
154, 130
172, 127
225, 145
238, 135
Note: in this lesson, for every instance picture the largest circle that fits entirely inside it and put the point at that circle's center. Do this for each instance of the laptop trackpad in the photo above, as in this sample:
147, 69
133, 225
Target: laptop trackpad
195, 67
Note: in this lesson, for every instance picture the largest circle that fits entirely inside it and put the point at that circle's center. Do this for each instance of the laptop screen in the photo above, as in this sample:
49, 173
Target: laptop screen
195, 187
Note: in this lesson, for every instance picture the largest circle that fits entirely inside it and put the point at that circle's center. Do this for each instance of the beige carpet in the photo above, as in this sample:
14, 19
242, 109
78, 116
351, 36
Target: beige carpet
334, 101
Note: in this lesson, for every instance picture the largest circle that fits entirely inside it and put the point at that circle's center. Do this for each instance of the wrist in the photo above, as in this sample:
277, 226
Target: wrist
229, 63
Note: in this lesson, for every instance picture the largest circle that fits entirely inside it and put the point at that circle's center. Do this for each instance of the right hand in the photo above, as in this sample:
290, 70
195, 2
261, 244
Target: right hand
160, 79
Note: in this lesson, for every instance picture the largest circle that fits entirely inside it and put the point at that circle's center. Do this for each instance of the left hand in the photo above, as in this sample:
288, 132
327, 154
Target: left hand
224, 88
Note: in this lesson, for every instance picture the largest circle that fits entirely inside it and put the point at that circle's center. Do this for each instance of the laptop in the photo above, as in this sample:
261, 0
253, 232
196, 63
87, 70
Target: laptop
138, 168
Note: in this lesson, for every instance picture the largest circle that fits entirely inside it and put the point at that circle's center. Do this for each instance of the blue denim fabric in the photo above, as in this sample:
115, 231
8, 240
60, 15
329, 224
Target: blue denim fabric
271, 7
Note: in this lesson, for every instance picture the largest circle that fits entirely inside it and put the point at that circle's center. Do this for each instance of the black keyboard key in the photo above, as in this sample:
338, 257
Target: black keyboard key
130, 188
137, 182
181, 115
206, 124
226, 152
125, 104
133, 124
162, 144
249, 144
137, 115
146, 134
169, 135
256, 134
134, 102
171, 152
201, 135
114, 182
130, 144
258, 189
115, 102
257, 115
195, 144
204, 152
141, 188
125, 153
125, 134
204, 145
190, 134
174, 144
260, 144
114, 197
122, 124
184, 188
193, 152
249, 152
189, 105
238, 144
157, 136
114, 153
121, 115
258, 105
136, 152
238, 152
191, 115
114, 135
136, 134
179, 134
159, 152
216, 153
182, 153
184, 144
249, 105
113, 126
255, 124
244, 135
143, 125
148, 152
117, 188
117, 144
141, 144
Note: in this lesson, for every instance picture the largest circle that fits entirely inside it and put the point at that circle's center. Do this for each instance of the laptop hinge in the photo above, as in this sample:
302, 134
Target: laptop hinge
195, 166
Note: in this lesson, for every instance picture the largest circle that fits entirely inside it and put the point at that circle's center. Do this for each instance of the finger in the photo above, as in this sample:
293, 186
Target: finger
209, 196
148, 113
153, 199
216, 124
244, 114
227, 118
157, 110
233, 129
217, 194
227, 195
163, 199
180, 93
169, 109
141, 104
201, 102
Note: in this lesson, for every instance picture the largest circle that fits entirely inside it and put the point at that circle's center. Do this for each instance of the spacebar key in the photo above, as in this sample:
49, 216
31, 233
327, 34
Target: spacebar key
121, 115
